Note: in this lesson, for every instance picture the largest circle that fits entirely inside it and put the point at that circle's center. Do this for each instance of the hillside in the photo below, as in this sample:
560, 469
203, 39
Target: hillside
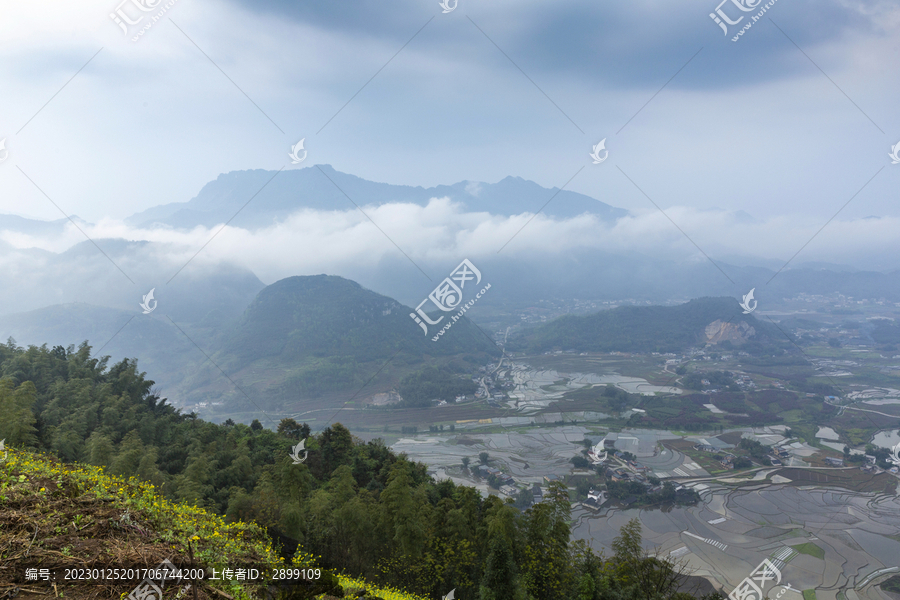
305, 337
328, 316
355, 506
654, 329
78, 519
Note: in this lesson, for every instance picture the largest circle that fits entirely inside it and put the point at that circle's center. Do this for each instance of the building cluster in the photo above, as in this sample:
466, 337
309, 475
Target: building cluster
504, 482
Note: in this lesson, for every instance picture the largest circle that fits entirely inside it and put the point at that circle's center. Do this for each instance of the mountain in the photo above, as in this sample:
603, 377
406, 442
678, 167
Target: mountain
653, 329
119, 274
275, 195
34, 226
160, 347
327, 316
323, 338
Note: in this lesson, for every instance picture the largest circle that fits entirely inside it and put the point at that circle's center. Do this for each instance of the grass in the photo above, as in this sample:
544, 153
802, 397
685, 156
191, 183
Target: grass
809, 594
810, 549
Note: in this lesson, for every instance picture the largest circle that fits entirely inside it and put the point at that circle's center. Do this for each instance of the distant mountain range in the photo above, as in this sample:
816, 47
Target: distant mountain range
257, 199
276, 195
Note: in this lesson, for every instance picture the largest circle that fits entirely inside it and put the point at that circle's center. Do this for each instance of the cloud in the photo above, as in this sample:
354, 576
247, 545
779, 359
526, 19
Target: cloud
343, 242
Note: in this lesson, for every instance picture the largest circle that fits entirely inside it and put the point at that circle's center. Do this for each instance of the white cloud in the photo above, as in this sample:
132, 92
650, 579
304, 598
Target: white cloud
338, 242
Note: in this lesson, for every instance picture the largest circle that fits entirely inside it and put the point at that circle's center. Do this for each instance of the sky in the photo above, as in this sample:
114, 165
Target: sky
792, 124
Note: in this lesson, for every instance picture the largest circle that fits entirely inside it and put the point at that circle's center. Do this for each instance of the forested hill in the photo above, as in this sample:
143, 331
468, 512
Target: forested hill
329, 316
361, 508
308, 337
651, 329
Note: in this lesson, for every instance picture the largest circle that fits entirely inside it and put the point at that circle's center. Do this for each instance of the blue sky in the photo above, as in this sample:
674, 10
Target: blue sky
788, 124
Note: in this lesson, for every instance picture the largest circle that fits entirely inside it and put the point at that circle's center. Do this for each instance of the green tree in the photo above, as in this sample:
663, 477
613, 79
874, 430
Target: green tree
289, 428
465, 462
17, 421
500, 580
483, 457
643, 576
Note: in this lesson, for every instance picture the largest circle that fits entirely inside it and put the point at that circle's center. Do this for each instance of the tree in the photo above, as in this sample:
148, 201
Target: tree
644, 576
680, 370
579, 462
289, 428
483, 457
17, 421
256, 425
742, 462
465, 462
500, 580
834, 342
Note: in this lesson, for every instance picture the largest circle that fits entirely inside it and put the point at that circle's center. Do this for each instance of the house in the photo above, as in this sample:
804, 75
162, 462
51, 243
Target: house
639, 467
598, 496
537, 493
834, 462
706, 448
594, 500
508, 490
552, 478
620, 475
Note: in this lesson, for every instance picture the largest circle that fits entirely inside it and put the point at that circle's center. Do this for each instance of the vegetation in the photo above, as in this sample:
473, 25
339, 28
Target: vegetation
892, 584
357, 507
649, 329
810, 549
756, 450
329, 334
431, 383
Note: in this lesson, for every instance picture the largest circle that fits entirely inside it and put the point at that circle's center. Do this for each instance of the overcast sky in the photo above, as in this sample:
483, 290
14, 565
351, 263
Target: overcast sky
788, 124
